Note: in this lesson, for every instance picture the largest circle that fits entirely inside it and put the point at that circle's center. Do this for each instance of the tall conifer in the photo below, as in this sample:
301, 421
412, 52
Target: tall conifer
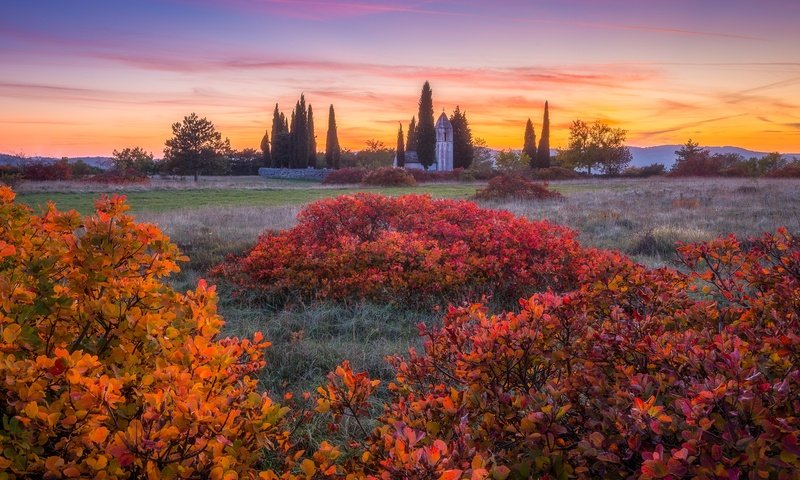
463, 148
265, 153
312, 140
529, 144
426, 131
332, 151
401, 149
411, 142
543, 155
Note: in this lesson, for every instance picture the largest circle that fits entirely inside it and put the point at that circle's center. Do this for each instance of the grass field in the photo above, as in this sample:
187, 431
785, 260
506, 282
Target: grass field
643, 218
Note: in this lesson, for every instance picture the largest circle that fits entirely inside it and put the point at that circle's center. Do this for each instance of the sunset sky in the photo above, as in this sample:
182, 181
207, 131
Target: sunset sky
84, 77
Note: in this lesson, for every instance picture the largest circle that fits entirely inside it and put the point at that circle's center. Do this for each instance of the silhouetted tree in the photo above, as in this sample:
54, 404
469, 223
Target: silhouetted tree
463, 147
529, 143
596, 145
300, 135
245, 162
196, 148
266, 156
312, 140
411, 142
281, 150
332, 151
280, 156
131, 159
543, 154
401, 149
426, 131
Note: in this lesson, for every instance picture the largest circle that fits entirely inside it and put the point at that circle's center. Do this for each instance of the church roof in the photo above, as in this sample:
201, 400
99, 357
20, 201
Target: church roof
443, 121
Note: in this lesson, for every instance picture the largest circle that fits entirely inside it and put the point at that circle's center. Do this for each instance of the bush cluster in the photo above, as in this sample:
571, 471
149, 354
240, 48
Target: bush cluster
344, 176
410, 250
611, 370
505, 187
389, 177
119, 177
423, 176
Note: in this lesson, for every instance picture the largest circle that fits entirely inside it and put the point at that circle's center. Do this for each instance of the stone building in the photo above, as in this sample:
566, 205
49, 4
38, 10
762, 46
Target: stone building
444, 149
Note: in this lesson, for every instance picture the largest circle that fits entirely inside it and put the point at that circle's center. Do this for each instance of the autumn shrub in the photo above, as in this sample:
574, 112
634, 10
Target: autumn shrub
118, 177
106, 371
630, 375
344, 176
40, 171
506, 187
789, 171
651, 170
411, 250
553, 173
389, 177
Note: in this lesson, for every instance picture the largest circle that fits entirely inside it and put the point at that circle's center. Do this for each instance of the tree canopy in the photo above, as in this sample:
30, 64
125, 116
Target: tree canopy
463, 147
196, 147
596, 146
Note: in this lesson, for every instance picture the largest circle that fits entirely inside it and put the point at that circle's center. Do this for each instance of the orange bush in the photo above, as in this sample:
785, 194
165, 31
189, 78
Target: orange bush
109, 373
410, 250
389, 177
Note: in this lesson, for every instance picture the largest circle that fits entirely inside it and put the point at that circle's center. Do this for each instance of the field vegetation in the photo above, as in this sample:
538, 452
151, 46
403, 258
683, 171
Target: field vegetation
633, 428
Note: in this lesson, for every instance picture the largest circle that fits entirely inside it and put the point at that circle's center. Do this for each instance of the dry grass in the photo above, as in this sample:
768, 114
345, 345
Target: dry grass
645, 217
640, 217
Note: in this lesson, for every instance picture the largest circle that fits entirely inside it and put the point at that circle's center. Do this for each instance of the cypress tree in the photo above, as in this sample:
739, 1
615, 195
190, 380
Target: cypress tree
411, 142
292, 160
529, 145
312, 140
277, 123
543, 155
401, 150
265, 153
426, 131
332, 151
463, 148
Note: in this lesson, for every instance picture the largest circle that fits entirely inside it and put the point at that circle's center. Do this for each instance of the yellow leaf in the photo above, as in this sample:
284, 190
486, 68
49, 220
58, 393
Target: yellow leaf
98, 435
31, 410
308, 467
11, 332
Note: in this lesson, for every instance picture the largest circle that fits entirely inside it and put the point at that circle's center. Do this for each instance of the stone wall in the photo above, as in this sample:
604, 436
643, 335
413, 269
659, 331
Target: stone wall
294, 173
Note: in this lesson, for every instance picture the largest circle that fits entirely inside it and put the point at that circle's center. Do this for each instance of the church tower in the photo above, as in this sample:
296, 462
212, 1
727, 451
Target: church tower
444, 144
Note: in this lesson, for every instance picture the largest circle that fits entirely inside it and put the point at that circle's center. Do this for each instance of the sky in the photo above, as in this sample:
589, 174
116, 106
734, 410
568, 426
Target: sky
85, 77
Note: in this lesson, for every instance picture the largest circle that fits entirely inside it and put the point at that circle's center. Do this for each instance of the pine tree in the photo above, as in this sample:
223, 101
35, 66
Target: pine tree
265, 153
543, 155
411, 142
401, 150
426, 131
529, 145
312, 140
463, 147
332, 151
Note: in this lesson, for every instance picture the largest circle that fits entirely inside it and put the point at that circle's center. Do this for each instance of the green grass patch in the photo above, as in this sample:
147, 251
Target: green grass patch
165, 200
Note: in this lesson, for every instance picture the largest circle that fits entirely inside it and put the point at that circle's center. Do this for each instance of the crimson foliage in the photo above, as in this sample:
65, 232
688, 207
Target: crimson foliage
410, 250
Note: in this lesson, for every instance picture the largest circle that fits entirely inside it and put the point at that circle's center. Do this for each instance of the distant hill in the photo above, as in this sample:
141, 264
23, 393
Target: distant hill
665, 154
14, 160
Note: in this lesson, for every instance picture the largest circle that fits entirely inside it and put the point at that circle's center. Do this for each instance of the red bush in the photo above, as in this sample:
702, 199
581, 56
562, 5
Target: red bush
408, 250
344, 176
789, 171
515, 186
39, 171
389, 177
115, 177
627, 376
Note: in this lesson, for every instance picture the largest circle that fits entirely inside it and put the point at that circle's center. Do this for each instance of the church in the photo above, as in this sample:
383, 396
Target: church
444, 149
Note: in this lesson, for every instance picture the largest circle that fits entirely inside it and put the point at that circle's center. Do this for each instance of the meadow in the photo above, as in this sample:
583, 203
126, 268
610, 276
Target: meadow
341, 354
221, 216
